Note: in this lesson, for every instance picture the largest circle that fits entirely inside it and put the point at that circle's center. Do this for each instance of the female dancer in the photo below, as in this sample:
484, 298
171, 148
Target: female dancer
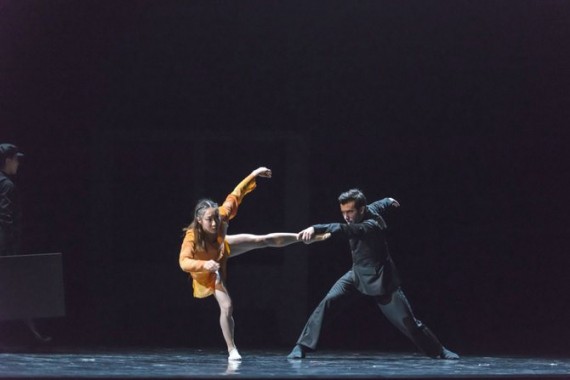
206, 248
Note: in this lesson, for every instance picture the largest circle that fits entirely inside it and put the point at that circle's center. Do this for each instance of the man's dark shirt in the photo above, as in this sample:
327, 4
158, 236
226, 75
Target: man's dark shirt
374, 271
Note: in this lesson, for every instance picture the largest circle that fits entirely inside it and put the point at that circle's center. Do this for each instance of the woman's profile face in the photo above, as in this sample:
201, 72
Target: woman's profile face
210, 220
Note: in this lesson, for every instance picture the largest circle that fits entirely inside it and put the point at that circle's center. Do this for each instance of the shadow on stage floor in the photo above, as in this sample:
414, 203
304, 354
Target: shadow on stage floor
169, 363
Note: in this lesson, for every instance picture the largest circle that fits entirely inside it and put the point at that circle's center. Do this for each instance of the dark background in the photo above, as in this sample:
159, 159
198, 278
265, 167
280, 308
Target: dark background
130, 111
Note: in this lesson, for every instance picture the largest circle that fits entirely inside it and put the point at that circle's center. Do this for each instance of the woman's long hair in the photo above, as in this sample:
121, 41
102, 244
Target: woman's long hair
199, 235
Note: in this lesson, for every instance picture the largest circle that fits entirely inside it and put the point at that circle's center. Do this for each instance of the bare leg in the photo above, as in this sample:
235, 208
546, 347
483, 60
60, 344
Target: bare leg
226, 319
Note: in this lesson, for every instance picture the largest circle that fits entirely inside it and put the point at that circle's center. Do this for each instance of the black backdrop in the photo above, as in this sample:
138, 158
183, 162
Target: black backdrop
129, 111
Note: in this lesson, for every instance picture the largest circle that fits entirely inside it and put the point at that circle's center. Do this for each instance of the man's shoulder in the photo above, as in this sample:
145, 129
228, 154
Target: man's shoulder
5, 181
374, 215
381, 201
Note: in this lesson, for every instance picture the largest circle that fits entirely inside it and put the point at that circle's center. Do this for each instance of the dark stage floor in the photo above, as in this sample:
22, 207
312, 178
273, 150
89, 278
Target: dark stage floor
164, 363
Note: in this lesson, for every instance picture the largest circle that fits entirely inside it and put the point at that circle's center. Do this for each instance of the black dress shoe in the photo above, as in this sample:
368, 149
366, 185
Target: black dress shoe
297, 353
448, 355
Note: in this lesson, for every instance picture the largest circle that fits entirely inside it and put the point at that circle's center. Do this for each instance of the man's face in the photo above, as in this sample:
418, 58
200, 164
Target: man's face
11, 165
350, 213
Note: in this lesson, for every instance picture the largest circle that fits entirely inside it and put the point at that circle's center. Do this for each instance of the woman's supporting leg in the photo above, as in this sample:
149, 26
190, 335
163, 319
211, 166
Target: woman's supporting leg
227, 320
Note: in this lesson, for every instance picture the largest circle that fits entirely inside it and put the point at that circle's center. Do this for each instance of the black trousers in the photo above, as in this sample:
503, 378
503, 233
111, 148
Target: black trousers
394, 306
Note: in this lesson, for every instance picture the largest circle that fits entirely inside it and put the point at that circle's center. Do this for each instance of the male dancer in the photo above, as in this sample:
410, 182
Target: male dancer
373, 274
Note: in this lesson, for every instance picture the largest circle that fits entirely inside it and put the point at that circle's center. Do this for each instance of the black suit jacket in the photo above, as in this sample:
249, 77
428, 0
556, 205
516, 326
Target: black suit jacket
374, 272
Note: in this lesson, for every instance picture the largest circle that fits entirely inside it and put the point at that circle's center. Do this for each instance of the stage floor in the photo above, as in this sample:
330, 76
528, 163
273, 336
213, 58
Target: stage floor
167, 363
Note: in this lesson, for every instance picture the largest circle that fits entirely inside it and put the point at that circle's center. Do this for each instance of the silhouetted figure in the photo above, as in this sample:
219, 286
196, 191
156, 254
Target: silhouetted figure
11, 214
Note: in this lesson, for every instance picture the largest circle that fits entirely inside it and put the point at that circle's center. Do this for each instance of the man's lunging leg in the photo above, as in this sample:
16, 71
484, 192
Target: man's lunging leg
310, 335
399, 312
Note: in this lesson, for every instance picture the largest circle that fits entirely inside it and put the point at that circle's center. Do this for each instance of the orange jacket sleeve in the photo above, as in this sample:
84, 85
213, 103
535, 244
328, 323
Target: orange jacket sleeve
228, 209
186, 260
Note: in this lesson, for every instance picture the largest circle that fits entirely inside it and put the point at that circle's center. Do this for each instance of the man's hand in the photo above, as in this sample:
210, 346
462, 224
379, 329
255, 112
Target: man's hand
306, 235
262, 172
394, 203
315, 238
211, 266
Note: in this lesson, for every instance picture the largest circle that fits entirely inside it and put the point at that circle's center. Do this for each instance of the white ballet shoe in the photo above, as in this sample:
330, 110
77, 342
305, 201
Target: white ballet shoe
234, 355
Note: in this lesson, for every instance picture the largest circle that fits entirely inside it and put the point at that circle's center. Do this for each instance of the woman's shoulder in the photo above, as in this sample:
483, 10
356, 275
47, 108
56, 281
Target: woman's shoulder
189, 235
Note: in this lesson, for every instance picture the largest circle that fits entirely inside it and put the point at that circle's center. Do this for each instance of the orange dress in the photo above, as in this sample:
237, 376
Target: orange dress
192, 259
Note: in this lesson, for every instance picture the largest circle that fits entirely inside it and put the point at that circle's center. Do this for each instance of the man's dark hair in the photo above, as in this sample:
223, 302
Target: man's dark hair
8, 151
353, 195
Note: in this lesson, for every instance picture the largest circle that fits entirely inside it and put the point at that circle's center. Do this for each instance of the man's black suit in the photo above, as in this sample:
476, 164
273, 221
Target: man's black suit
373, 274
